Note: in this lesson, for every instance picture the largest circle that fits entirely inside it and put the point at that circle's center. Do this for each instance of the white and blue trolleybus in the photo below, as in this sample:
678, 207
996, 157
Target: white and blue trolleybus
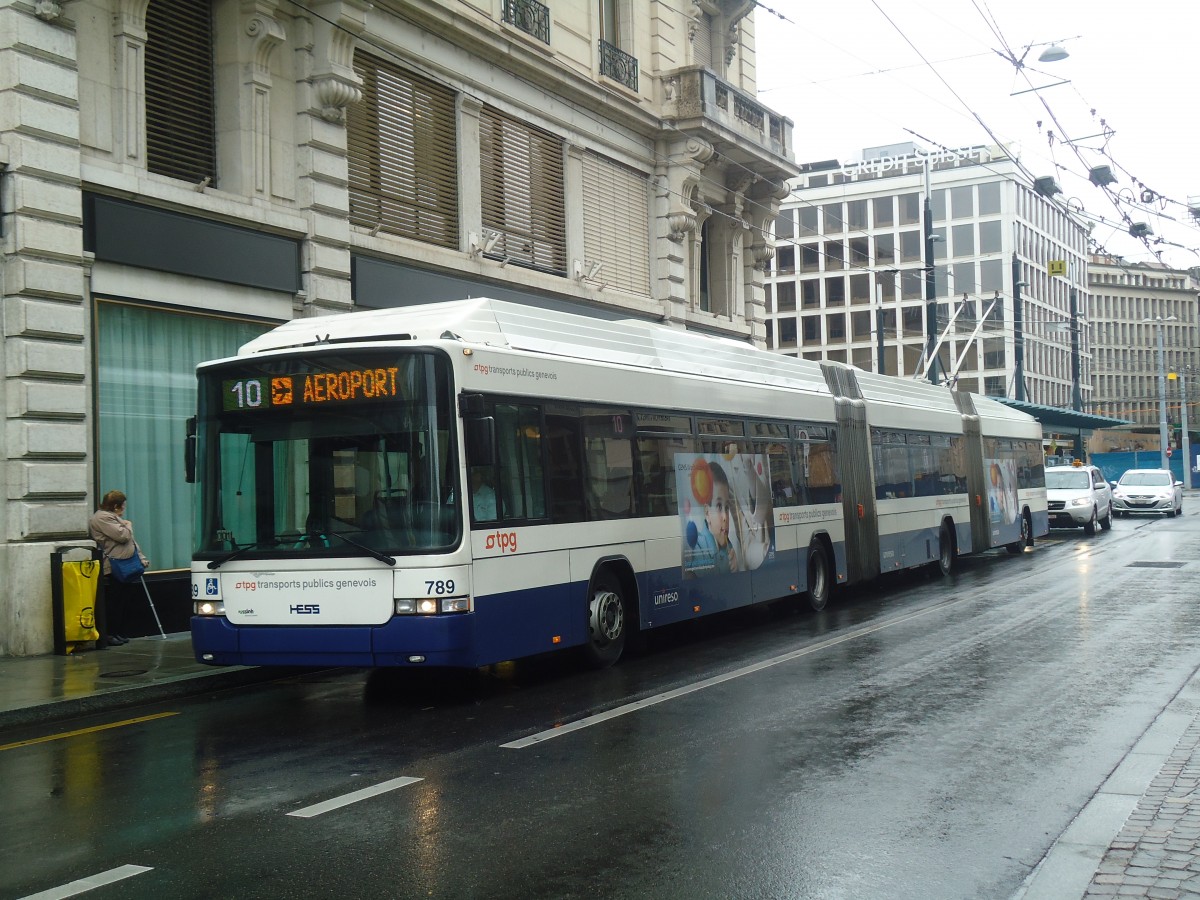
463, 483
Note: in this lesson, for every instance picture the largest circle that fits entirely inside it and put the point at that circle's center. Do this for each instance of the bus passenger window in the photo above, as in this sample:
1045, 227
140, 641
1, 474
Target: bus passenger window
564, 448
656, 471
783, 486
483, 495
521, 492
608, 464
820, 472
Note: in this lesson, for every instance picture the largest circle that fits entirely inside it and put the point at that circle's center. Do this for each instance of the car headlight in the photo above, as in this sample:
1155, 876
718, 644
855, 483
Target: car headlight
208, 608
1081, 501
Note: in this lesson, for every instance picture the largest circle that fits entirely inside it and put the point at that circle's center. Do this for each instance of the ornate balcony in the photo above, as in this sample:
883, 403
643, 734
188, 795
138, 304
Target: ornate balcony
531, 17
618, 65
708, 108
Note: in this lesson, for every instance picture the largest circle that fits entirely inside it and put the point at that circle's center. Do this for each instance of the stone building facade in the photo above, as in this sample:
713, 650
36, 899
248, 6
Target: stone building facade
178, 175
1130, 303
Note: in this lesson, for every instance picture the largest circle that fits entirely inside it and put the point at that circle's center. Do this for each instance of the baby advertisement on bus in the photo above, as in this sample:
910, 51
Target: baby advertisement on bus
1002, 490
726, 512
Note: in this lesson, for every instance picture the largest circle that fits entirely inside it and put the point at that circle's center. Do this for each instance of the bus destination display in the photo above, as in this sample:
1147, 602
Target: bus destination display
313, 389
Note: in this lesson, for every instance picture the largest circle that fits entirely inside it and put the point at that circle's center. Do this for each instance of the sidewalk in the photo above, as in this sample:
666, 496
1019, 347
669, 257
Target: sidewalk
46, 688
1139, 835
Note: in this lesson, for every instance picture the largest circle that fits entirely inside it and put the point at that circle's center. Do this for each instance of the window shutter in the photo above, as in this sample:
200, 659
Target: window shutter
702, 42
180, 113
521, 170
616, 224
403, 154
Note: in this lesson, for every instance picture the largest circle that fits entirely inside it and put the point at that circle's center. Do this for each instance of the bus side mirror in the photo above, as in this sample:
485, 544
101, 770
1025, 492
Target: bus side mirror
189, 451
471, 405
481, 441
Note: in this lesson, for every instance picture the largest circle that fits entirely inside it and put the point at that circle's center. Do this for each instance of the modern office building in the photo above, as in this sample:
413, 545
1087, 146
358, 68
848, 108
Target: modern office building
1133, 306
852, 252
180, 175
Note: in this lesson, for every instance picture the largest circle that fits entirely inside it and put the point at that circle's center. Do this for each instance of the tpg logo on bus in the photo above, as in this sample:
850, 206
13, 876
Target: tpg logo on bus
504, 541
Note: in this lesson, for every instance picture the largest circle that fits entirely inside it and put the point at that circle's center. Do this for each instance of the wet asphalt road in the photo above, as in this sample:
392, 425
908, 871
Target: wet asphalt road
922, 738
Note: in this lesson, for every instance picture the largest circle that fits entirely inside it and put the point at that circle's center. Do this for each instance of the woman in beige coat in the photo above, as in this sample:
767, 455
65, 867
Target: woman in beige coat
113, 534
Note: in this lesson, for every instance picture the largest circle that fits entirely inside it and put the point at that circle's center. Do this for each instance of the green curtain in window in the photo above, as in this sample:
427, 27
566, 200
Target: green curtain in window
146, 390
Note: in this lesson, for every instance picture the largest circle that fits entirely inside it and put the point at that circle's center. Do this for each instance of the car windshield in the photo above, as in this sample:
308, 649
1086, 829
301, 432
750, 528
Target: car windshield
1146, 479
1068, 480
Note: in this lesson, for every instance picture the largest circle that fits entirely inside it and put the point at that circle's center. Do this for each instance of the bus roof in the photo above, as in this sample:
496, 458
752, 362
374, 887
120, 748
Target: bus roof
486, 323
499, 324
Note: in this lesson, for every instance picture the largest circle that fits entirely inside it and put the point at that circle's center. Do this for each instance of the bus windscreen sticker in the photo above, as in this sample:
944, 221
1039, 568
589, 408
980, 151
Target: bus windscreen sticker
1002, 490
725, 511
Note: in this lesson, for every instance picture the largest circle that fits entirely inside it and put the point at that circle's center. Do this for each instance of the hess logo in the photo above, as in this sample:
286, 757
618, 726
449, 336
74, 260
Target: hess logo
504, 541
305, 609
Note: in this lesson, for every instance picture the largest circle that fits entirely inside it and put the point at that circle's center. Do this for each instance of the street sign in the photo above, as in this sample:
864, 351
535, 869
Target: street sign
1168, 453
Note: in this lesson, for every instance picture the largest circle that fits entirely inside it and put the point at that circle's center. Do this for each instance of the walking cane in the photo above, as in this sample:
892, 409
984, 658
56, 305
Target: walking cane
150, 600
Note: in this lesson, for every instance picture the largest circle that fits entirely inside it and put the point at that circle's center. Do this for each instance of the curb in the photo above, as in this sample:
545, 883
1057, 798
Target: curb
135, 695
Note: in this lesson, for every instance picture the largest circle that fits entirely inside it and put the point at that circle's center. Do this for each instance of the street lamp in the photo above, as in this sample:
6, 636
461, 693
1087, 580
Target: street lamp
1183, 428
1018, 332
1162, 393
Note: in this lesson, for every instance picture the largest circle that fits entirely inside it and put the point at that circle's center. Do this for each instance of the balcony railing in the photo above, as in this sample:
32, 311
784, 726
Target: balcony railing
530, 16
618, 65
699, 95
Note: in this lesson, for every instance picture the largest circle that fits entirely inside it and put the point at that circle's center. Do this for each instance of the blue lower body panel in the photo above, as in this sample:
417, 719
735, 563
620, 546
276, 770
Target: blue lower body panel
502, 626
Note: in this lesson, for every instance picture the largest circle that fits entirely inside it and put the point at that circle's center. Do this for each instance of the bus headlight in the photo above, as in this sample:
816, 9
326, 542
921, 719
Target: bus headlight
208, 608
428, 606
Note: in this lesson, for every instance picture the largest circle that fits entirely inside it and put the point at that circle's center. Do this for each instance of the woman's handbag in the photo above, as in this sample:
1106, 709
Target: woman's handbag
130, 569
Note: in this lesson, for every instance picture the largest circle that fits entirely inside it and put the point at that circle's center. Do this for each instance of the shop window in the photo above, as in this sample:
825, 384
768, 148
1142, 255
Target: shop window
145, 391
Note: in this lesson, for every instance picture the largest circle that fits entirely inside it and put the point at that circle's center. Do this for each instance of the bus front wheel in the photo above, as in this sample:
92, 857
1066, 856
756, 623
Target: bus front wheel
606, 621
820, 576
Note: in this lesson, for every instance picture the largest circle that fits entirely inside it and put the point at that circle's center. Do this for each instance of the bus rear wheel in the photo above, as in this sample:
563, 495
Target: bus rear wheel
820, 576
945, 561
606, 621
1019, 545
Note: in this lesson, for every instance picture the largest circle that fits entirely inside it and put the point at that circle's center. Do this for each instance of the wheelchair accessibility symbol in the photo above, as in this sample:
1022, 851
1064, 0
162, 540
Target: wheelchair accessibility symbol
210, 587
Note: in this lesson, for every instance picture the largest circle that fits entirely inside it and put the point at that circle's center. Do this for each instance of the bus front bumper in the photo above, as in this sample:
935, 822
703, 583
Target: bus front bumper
403, 641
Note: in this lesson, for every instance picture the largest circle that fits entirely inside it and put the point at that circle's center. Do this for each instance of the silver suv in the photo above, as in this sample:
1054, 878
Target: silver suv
1077, 495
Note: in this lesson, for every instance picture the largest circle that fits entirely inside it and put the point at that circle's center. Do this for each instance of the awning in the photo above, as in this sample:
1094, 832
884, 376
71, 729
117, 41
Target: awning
1054, 417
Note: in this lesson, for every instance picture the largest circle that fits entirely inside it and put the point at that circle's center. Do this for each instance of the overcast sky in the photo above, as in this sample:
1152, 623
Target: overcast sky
863, 73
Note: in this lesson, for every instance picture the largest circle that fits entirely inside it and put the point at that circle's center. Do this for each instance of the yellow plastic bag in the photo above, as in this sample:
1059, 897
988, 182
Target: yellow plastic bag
81, 580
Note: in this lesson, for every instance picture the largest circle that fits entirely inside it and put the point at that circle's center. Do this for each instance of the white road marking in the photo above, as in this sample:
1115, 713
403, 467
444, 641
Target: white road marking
346, 799
90, 883
560, 730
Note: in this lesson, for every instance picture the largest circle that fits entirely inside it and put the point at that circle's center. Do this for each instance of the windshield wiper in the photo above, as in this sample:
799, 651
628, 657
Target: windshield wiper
370, 551
233, 554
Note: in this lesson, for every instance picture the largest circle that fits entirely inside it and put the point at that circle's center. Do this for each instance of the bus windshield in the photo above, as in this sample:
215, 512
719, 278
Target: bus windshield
343, 453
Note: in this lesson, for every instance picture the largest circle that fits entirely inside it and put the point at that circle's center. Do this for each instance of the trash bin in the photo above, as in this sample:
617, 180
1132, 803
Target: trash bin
76, 589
